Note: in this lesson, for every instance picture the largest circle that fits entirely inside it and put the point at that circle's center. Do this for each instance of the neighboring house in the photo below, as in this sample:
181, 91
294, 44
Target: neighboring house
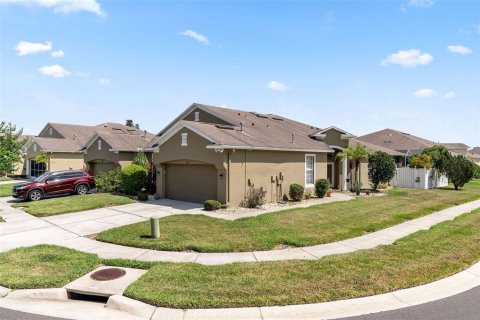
210, 152
20, 167
107, 150
63, 146
474, 155
402, 142
456, 148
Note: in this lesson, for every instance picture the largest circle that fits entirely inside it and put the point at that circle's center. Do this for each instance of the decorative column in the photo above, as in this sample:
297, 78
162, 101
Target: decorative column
344, 175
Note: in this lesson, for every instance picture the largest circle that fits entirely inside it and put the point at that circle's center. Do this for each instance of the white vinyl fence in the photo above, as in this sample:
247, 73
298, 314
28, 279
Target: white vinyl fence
418, 178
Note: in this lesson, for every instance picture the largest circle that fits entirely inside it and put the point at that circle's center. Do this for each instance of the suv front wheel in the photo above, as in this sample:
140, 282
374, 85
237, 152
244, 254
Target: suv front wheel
35, 195
81, 189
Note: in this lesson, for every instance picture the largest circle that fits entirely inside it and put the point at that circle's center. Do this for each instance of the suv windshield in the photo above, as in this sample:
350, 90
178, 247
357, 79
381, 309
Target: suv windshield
42, 177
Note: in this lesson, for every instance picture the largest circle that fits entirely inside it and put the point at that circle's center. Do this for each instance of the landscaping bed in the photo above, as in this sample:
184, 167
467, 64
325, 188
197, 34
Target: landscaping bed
43, 266
294, 227
68, 204
420, 258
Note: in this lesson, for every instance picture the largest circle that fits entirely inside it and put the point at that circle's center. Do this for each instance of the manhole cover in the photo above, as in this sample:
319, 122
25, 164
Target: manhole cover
108, 274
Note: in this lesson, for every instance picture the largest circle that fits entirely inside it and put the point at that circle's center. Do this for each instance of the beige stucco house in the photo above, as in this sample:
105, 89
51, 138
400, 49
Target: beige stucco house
210, 152
65, 147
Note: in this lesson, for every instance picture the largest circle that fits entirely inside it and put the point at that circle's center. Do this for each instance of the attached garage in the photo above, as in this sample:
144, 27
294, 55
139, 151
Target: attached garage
191, 182
99, 167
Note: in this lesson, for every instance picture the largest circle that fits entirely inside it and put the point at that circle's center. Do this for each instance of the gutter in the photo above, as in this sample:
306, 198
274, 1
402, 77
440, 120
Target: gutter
221, 146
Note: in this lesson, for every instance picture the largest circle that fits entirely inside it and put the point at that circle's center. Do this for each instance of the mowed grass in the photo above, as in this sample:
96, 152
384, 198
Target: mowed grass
420, 258
295, 227
6, 189
5, 179
68, 204
43, 266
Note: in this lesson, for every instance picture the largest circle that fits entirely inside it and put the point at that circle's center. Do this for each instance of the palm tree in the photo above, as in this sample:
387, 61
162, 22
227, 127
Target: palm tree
359, 154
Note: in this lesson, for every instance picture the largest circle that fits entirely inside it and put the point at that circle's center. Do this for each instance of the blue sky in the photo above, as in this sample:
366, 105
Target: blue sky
363, 66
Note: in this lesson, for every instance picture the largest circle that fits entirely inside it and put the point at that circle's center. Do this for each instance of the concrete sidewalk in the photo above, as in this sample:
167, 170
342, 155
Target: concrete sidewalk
22, 229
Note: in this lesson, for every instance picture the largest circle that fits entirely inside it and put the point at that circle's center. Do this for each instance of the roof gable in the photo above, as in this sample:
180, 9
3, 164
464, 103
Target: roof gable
396, 140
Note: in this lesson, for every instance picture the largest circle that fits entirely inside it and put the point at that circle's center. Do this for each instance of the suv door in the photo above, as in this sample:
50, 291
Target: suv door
53, 184
69, 180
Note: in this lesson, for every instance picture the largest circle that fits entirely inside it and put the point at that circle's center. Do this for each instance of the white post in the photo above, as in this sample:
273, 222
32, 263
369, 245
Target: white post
344, 173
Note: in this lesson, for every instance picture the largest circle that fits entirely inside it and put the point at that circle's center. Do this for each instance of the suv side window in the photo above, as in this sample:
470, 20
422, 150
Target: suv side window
55, 177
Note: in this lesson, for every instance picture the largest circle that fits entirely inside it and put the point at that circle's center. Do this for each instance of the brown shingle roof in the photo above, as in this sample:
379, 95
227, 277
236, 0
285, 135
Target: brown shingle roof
475, 150
454, 145
76, 136
396, 140
269, 131
372, 147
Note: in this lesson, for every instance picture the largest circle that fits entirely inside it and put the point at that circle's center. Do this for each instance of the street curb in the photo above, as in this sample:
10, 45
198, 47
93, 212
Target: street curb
45, 294
4, 291
131, 306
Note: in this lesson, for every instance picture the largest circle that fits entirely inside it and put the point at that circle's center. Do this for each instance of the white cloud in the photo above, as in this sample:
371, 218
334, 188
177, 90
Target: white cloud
54, 71
104, 81
61, 6
197, 36
57, 54
425, 93
420, 3
24, 48
408, 58
277, 86
82, 74
459, 49
449, 95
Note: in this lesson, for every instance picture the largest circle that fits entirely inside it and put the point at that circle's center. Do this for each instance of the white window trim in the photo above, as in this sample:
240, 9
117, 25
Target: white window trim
197, 116
34, 147
311, 185
50, 131
184, 139
99, 143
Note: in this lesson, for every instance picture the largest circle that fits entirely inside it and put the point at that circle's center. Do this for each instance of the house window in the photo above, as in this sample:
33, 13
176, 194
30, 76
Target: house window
197, 116
309, 170
50, 131
99, 144
34, 147
184, 139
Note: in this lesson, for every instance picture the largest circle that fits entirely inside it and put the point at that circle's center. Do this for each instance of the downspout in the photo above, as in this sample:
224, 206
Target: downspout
245, 177
228, 177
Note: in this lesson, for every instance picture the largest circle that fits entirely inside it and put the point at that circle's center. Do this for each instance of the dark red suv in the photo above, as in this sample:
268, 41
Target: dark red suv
51, 183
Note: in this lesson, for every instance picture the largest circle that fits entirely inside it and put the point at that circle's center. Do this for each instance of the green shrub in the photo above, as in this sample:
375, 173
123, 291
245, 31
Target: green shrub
142, 196
381, 168
296, 192
420, 161
476, 174
255, 198
109, 181
211, 205
134, 178
459, 170
321, 187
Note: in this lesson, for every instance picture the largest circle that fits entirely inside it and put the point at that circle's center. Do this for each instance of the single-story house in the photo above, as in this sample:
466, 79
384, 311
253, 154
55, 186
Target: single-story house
210, 152
474, 155
456, 148
64, 147
20, 167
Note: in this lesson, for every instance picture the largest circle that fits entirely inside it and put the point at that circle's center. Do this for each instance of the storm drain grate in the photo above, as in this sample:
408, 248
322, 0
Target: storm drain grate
108, 274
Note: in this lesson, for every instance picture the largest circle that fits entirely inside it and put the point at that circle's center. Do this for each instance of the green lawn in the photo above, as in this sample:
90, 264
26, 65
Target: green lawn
420, 258
67, 204
6, 189
5, 179
295, 227
43, 266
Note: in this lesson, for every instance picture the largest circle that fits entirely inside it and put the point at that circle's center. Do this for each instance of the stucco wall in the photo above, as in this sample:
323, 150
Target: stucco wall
333, 138
204, 117
65, 161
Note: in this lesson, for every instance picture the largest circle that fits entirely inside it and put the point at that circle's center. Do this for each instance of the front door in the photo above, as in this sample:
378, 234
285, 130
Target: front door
331, 173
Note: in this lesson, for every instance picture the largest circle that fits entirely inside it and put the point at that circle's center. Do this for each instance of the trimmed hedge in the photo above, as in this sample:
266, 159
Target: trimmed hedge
321, 187
211, 205
296, 192
134, 178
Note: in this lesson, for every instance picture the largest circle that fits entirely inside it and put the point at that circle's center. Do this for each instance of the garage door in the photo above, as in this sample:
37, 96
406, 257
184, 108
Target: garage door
189, 182
98, 167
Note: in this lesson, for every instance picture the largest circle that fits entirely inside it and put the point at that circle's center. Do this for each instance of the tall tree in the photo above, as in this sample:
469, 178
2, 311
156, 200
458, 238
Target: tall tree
440, 156
10, 147
359, 154
460, 170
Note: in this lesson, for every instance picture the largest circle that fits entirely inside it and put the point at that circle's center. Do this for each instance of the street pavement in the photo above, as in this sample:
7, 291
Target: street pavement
7, 314
464, 306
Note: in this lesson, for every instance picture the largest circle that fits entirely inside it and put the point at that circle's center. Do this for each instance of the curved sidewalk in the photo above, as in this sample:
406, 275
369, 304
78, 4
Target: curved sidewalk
44, 231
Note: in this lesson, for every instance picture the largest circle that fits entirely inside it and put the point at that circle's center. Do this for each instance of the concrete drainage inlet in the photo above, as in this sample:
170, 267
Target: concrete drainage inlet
108, 274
